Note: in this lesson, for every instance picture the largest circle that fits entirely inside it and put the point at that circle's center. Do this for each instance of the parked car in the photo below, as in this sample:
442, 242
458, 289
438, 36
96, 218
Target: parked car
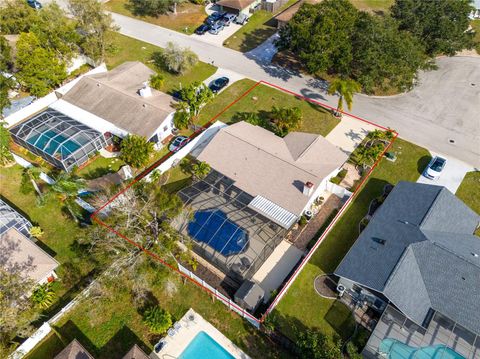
216, 28
34, 4
228, 18
241, 19
218, 84
214, 17
435, 168
202, 29
177, 143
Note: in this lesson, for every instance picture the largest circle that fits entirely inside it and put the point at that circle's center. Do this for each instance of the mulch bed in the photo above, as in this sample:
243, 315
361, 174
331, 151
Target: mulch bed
325, 286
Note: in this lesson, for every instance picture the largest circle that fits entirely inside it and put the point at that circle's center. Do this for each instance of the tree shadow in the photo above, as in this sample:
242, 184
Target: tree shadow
422, 163
256, 37
339, 316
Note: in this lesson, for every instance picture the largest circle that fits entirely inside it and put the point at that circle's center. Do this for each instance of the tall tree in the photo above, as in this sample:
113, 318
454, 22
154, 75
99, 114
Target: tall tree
152, 7
313, 344
320, 35
136, 150
96, 27
16, 16
440, 25
39, 70
66, 189
5, 54
193, 98
5, 154
285, 119
345, 88
175, 58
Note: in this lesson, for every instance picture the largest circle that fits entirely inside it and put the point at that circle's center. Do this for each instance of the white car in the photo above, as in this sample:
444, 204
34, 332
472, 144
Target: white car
435, 168
178, 143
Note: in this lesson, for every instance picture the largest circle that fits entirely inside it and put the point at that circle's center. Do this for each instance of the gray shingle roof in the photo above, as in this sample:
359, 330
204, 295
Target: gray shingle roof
427, 258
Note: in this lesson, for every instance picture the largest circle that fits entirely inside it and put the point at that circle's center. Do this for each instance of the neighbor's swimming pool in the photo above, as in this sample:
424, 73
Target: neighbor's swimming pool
395, 349
214, 228
204, 346
51, 147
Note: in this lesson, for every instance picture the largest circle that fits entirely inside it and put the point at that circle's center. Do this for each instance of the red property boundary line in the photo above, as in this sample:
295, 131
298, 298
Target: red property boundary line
285, 287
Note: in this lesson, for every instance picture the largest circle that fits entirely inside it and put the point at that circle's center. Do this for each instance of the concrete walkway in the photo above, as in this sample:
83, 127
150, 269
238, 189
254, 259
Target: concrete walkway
444, 106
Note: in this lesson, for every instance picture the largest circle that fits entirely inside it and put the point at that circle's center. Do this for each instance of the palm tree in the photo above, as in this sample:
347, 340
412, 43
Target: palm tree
43, 295
345, 89
36, 232
66, 188
33, 174
200, 170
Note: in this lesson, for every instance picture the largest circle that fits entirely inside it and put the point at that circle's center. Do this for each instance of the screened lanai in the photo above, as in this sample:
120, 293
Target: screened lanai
9, 218
225, 231
59, 139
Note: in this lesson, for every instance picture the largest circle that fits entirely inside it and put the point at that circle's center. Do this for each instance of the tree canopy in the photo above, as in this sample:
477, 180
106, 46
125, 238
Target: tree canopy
379, 52
151, 7
136, 150
440, 25
175, 59
193, 98
313, 344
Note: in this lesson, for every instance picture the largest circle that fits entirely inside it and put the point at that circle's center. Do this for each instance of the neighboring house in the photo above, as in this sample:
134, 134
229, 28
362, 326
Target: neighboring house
419, 254
238, 6
19, 249
74, 350
475, 14
284, 175
99, 106
286, 15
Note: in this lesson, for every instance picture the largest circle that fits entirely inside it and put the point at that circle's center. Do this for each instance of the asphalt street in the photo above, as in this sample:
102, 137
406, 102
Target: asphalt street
442, 108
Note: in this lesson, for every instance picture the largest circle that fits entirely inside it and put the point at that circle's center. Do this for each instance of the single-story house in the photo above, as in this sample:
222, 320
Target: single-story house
21, 251
238, 6
284, 175
74, 350
286, 15
419, 254
99, 106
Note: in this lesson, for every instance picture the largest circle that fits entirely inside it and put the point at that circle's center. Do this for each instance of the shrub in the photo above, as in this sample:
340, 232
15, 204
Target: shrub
136, 150
43, 296
336, 180
157, 320
156, 81
303, 221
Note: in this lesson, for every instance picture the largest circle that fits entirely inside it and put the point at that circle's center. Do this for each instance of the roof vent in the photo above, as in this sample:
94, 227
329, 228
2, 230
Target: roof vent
379, 240
145, 91
475, 255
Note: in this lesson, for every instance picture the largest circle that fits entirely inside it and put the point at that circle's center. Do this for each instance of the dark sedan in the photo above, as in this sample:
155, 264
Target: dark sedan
218, 84
202, 29
34, 4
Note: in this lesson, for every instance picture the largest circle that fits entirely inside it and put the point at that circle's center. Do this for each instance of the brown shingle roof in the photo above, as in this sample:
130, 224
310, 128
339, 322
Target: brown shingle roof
276, 168
235, 4
114, 97
135, 353
74, 350
23, 250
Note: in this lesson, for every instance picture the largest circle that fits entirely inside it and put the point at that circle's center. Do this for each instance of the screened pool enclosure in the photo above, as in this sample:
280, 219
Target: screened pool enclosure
59, 139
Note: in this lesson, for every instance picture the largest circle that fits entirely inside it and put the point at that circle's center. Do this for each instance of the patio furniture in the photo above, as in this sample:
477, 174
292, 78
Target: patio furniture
171, 332
177, 326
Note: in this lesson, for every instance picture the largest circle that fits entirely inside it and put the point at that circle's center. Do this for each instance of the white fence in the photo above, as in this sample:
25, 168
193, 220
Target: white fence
220, 296
337, 190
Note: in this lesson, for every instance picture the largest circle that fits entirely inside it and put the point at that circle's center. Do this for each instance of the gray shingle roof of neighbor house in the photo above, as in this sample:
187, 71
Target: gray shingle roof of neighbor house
114, 96
276, 168
74, 350
135, 353
430, 258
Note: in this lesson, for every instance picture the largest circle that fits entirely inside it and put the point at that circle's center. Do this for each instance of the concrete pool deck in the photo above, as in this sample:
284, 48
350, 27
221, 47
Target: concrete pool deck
191, 324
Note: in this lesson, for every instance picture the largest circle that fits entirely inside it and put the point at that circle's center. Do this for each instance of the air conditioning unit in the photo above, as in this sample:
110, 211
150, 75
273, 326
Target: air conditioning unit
341, 290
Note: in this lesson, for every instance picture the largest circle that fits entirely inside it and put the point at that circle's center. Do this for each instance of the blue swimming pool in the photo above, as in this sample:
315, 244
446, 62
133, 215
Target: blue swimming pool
203, 346
213, 227
395, 349
42, 141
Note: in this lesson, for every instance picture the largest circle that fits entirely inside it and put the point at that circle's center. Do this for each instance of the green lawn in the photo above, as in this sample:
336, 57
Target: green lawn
302, 306
469, 190
189, 16
59, 229
261, 99
130, 49
377, 6
260, 27
100, 166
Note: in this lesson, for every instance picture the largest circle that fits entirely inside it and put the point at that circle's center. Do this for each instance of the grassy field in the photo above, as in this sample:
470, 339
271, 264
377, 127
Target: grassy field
189, 16
260, 100
100, 166
376, 6
130, 49
302, 306
469, 190
260, 27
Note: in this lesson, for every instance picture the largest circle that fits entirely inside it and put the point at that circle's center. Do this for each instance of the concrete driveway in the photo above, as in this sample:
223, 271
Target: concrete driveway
233, 77
452, 175
264, 52
349, 133
220, 37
